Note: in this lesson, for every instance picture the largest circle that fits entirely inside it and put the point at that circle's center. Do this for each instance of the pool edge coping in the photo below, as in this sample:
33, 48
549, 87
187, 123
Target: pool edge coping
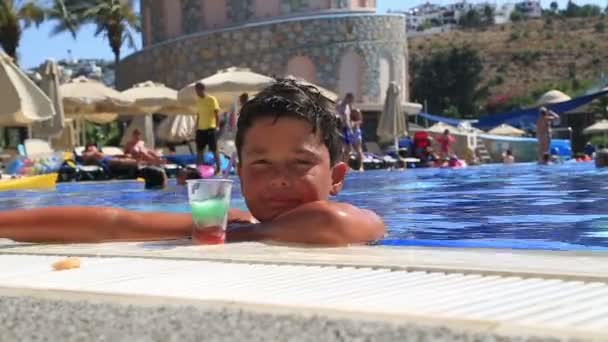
584, 266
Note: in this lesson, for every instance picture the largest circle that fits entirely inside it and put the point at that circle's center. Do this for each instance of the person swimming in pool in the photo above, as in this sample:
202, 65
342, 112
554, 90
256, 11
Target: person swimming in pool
507, 157
290, 163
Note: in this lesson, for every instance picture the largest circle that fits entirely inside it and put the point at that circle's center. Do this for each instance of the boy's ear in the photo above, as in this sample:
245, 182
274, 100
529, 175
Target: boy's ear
338, 172
238, 169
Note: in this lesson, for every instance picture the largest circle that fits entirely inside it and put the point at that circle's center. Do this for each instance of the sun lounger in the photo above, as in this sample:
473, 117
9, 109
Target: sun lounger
189, 160
112, 151
88, 171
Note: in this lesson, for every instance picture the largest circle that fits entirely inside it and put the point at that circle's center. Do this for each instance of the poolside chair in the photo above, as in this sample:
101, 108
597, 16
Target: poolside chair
125, 169
375, 158
84, 171
37, 148
112, 151
41, 151
174, 164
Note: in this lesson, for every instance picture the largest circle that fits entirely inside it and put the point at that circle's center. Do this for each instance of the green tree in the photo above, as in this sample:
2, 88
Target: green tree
575, 11
516, 16
554, 6
116, 20
449, 79
16, 16
488, 15
471, 19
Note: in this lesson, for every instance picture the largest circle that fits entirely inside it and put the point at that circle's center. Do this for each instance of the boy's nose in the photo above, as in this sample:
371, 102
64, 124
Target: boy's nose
280, 182
280, 179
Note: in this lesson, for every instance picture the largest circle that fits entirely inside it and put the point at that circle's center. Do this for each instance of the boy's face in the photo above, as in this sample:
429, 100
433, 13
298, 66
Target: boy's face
284, 165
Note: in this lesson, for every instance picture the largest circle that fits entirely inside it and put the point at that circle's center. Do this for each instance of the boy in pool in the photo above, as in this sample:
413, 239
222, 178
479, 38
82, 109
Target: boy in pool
289, 149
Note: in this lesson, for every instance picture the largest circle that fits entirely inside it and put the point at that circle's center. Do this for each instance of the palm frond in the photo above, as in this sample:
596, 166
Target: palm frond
66, 19
128, 37
30, 13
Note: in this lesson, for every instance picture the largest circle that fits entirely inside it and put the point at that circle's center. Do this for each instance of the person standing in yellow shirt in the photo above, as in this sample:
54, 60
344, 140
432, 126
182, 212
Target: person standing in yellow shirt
207, 124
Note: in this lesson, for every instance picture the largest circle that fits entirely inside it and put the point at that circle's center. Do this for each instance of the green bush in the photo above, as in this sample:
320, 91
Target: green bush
599, 140
527, 57
600, 27
517, 16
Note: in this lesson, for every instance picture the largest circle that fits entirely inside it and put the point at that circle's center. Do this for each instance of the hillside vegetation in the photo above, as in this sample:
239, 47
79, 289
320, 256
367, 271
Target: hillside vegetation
522, 60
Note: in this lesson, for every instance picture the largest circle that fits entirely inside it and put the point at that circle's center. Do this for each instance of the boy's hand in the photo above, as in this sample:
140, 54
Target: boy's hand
240, 216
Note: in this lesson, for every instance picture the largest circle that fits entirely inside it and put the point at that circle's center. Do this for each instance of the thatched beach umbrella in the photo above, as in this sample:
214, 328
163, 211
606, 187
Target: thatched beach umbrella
226, 85
22, 102
553, 96
391, 125
440, 127
150, 97
50, 85
90, 100
177, 129
82, 96
600, 127
507, 130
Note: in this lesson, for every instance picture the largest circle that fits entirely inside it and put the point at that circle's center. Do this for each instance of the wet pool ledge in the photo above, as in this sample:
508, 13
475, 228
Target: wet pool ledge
64, 304
562, 264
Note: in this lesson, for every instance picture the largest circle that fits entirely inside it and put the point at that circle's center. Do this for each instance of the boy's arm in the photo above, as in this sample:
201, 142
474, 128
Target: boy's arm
319, 223
91, 224
97, 224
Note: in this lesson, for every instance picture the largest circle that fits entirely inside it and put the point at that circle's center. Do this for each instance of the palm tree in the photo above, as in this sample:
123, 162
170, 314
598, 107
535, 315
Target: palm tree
65, 14
115, 19
15, 16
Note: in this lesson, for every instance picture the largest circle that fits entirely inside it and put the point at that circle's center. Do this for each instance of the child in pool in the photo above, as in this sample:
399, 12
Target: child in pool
289, 149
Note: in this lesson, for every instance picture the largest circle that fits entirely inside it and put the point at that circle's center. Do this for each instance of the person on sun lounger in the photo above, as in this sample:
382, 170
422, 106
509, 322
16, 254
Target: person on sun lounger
290, 163
92, 156
136, 148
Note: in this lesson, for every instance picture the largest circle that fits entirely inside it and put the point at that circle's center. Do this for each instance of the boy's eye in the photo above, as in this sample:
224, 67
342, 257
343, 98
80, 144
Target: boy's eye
260, 162
303, 162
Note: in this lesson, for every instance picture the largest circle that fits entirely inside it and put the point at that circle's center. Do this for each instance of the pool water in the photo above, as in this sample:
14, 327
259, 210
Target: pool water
522, 206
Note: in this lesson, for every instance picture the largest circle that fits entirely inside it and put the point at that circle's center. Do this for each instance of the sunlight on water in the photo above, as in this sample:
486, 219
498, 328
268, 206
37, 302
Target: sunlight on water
523, 206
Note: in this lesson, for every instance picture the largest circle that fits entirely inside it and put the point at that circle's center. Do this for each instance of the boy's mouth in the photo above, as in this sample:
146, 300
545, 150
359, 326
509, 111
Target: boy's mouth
282, 202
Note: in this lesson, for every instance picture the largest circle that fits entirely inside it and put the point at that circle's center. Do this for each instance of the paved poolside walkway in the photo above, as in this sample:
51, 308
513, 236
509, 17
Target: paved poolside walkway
354, 291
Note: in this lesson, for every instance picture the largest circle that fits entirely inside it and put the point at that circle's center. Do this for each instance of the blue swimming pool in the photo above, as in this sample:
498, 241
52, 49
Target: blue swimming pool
520, 206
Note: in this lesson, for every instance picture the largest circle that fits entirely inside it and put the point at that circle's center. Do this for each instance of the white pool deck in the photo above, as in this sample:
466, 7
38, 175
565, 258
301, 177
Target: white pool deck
557, 294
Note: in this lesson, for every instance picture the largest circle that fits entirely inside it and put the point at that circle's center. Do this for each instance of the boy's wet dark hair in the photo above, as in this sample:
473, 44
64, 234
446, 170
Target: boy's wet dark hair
289, 98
